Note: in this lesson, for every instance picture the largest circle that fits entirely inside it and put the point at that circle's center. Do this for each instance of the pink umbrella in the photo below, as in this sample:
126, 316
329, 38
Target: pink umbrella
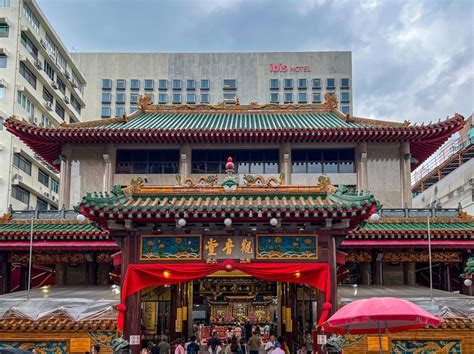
379, 315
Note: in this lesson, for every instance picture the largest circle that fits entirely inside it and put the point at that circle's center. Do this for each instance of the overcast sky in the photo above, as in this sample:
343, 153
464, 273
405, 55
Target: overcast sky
411, 59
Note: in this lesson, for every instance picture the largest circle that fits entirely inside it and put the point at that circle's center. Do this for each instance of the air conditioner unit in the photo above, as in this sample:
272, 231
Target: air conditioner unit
43, 43
48, 105
3, 83
471, 181
21, 57
52, 55
66, 99
18, 177
74, 84
55, 85
46, 194
53, 198
16, 149
34, 120
38, 64
66, 73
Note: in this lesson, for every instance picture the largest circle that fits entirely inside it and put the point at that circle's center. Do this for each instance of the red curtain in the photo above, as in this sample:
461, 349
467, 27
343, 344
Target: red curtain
141, 276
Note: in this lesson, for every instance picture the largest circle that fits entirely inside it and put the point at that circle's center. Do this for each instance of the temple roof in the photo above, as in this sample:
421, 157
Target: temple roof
449, 228
214, 203
52, 233
222, 123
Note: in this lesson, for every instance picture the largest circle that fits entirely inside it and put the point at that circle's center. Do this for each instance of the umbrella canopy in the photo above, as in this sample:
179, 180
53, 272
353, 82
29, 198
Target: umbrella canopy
379, 315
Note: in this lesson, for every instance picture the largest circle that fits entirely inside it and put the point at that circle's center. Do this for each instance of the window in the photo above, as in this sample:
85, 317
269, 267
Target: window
191, 84
21, 194
288, 97
274, 97
22, 163
28, 14
134, 98
61, 61
134, 84
43, 178
316, 83
152, 97
274, 84
2, 92
330, 84
120, 98
205, 85
176, 84
106, 97
27, 74
106, 84
229, 98
230, 84
75, 103
105, 112
322, 161
45, 122
149, 84
344, 97
121, 84
26, 104
302, 97
48, 97
288, 83
4, 30
162, 98
345, 109
119, 111
4, 3
59, 110
344, 83
176, 98
133, 109
76, 82
48, 69
28, 44
191, 98
163, 84
246, 161
3, 61
317, 97
54, 186
205, 98
61, 85
41, 204
147, 161
302, 83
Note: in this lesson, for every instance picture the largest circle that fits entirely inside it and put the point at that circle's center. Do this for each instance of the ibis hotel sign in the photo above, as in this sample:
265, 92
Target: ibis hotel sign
281, 68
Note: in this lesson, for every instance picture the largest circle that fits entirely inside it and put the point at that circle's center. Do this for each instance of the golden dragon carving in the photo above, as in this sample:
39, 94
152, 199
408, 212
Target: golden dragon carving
209, 181
259, 181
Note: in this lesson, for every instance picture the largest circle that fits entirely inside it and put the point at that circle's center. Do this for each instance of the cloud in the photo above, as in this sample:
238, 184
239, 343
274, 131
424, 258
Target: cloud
411, 59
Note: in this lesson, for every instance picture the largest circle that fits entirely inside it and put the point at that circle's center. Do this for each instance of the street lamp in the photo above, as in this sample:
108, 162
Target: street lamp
468, 282
80, 218
228, 222
375, 217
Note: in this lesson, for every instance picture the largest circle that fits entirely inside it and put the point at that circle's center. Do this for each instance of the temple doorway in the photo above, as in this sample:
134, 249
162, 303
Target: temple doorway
223, 303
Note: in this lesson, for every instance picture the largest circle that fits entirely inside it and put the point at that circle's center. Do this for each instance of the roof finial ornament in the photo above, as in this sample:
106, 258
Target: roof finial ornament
143, 103
330, 101
230, 183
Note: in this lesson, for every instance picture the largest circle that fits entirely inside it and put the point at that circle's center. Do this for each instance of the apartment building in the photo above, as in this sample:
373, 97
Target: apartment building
39, 83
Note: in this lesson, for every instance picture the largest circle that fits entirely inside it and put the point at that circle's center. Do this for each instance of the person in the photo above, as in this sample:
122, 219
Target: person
283, 346
308, 342
303, 350
153, 348
164, 346
95, 349
266, 329
248, 331
193, 347
254, 343
235, 346
179, 347
214, 344
257, 331
270, 345
243, 346
277, 349
229, 332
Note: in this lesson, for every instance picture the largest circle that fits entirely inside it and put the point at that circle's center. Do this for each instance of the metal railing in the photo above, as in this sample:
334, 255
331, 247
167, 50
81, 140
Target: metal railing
448, 150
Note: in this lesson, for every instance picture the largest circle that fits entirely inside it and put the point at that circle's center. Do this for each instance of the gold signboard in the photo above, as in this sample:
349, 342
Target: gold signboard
373, 343
80, 345
224, 247
150, 317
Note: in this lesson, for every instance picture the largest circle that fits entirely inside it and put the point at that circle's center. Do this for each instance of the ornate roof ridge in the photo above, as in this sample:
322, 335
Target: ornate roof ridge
52, 221
437, 220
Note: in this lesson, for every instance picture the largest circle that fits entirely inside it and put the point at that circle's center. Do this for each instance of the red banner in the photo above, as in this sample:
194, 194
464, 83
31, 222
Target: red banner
141, 276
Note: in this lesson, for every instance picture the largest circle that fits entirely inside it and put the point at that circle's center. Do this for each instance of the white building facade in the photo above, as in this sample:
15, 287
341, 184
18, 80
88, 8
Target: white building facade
115, 81
40, 84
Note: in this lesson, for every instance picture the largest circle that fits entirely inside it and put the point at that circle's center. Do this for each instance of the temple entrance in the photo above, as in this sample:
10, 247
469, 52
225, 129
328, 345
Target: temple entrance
224, 304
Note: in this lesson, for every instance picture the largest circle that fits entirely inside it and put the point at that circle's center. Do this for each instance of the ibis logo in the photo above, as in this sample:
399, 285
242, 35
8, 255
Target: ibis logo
281, 68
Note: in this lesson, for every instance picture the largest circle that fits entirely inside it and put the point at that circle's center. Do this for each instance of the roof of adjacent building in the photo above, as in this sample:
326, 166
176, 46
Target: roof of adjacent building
58, 231
449, 228
234, 124
214, 203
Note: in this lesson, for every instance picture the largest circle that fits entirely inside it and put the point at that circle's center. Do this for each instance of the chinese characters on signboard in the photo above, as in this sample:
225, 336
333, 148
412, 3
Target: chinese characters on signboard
223, 247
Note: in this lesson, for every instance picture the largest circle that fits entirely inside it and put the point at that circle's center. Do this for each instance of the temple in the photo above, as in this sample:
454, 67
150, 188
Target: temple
224, 214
